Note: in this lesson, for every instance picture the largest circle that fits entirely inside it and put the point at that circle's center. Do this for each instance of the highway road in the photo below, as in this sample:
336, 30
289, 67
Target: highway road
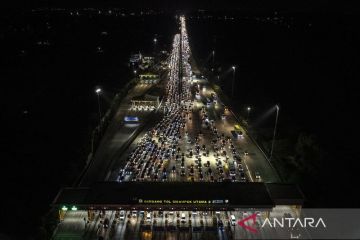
191, 137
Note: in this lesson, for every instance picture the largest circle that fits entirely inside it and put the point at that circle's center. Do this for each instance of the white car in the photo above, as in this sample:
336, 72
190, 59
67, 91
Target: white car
233, 220
134, 213
148, 217
183, 219
122, 215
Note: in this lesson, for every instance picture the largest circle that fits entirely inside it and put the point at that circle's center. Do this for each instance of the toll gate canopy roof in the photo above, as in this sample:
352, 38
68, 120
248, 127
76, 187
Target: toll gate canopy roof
179, 194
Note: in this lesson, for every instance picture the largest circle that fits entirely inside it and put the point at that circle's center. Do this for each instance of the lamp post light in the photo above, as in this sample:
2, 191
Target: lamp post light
248, 115
98, 91
276, 121
233, 81
155, 41
213, 57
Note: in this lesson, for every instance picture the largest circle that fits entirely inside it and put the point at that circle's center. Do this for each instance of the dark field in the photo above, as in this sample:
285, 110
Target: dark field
49, 106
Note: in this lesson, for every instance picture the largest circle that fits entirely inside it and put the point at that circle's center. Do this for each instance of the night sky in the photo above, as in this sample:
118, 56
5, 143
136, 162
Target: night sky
187, 5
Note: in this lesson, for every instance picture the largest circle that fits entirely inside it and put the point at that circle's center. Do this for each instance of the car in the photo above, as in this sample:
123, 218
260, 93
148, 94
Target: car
257, 175
183, 218
164, 178
122, 215
239, 134
134, 213
106, 223
220, 224
148, 217
246, 152
242, 176
233, 220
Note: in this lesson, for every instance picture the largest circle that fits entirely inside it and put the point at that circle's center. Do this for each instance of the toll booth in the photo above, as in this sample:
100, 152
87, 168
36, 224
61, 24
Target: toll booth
184, 196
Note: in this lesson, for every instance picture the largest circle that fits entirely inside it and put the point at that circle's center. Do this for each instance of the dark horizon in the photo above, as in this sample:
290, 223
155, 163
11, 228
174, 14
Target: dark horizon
258, 6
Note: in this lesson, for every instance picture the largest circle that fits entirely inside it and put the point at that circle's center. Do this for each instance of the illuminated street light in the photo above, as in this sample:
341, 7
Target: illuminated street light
98, 91
273, 140
155, 41
248, 109
233, 81
213, 53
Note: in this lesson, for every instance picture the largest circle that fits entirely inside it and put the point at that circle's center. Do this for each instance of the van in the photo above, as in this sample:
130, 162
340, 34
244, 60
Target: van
233, 220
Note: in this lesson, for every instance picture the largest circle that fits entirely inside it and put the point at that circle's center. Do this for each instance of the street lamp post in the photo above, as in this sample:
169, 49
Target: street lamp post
213, 58
276, 121
98, 91
155, 41
233, 81
248, 115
